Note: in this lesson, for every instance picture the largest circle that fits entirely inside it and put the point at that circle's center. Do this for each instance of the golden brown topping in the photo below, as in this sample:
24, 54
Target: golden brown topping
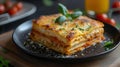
47, 25
84, 20
70, 35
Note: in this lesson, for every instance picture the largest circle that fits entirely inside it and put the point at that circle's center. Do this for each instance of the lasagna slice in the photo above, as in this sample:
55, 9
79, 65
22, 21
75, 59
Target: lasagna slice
68, 38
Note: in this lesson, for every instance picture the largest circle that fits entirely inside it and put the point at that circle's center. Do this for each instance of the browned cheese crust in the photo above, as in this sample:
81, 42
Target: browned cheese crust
68, 38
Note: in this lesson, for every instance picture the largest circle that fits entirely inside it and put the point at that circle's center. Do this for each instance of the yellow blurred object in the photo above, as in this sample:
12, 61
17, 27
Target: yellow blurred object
99, 6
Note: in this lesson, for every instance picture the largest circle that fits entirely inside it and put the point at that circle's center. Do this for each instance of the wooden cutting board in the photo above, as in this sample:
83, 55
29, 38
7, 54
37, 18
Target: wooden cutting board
18, 58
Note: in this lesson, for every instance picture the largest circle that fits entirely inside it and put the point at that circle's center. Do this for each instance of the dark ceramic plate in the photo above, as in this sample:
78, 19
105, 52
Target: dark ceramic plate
20, 35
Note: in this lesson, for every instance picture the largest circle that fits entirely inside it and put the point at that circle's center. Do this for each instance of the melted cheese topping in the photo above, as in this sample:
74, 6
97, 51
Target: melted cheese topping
70, 36
69, 29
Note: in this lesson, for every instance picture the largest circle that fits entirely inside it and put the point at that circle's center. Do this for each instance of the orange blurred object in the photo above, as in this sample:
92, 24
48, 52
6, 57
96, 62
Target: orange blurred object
13, 10
19, 5
99, 6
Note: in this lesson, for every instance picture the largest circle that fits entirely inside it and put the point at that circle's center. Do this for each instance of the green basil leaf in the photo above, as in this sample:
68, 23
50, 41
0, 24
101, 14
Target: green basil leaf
76, 14
84, 12
62, 9
109, 43
69, 17
60, 20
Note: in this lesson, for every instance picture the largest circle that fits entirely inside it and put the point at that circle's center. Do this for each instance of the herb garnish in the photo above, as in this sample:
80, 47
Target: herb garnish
81, 29
3, 62
76, 14
66, 15
108, 45
85, 28
61, 19
62, 9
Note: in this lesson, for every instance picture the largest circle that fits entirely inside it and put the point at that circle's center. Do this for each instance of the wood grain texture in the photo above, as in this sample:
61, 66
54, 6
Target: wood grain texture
20, 59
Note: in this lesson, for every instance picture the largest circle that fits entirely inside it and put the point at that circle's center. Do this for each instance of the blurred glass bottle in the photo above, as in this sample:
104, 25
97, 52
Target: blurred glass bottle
99, 6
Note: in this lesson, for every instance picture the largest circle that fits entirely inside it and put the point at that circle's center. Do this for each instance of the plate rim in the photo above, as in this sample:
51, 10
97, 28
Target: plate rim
13, 19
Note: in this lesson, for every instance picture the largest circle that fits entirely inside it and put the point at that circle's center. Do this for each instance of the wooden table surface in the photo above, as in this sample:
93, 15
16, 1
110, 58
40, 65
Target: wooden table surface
20, 59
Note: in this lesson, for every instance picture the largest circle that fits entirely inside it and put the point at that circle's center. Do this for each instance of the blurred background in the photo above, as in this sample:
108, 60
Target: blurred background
46, 10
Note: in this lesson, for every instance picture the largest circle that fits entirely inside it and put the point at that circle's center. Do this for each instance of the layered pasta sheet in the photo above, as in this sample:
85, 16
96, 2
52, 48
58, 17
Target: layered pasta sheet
68, 38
